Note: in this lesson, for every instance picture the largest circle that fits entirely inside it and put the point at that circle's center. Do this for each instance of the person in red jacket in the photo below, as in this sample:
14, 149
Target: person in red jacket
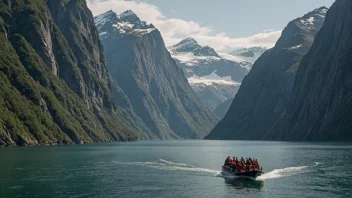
230, 162
234, 164
239, 167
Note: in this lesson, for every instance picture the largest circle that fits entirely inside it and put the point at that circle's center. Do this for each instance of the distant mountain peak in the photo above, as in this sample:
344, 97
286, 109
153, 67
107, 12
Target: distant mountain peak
187, 44
189, 40
125, 23
109, 16
319, 12
315, 15
109, 12
127, 14
299, 32
190, 45
322, 10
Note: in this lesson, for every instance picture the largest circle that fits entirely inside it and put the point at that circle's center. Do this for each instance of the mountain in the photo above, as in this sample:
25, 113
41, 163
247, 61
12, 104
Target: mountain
320, 108
222, 109
189, 45
55, 87
265, 92
250, 54
148, 86
214, 77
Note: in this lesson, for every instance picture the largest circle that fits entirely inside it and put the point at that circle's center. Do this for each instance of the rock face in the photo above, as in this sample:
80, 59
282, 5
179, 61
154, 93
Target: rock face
214, 77
149, 87
55, 86
265, 92
222, 109
321, 105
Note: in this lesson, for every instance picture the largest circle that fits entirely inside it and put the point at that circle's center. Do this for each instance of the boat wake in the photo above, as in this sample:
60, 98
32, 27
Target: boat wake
173, 166
286, 172
162, 164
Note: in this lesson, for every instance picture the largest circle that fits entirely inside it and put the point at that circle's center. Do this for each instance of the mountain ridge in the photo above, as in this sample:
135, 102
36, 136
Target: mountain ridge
161, 98
320, 106
265, 92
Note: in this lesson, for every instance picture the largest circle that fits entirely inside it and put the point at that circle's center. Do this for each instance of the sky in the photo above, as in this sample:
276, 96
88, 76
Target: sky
222, 24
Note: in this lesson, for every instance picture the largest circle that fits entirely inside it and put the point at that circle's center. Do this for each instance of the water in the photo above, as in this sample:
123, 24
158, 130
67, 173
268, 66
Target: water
175, 169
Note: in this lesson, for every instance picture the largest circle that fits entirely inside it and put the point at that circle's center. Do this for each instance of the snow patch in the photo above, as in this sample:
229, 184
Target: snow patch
295, 47
211, 79
310, 20
144, 31
190, 59
125, 25
227, 56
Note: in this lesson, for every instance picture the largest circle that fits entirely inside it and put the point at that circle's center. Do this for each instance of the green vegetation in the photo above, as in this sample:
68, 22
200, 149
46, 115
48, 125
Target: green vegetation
39, 107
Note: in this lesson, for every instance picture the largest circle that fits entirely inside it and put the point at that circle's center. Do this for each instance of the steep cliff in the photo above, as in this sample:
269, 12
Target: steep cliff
222, 109
156, 93
265, 92
54, 80
321, 103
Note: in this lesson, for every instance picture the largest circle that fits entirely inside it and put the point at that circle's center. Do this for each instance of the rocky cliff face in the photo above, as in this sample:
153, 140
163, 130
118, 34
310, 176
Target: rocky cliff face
266, 90
54, 80
76, 23
222, 109
321, 103
156, 94
214, 77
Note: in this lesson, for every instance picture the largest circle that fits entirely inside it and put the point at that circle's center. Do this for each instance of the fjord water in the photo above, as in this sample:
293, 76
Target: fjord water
175, 169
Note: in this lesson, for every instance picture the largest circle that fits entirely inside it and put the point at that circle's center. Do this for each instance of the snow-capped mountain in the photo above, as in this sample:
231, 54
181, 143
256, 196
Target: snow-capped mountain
149, 88
214, 76
248, 54
259, 109
125, 23
189, 45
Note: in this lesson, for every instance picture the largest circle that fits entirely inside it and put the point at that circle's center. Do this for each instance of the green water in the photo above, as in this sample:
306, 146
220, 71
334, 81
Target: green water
175, 169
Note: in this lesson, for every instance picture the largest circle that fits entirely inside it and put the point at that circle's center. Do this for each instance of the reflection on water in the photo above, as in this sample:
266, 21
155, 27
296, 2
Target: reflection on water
244, 183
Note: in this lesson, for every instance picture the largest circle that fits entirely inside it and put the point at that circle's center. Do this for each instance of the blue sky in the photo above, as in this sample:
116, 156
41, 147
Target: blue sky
221, 24
239, 18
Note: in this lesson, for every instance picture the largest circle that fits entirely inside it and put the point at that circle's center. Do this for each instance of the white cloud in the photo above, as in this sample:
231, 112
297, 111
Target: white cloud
174, 30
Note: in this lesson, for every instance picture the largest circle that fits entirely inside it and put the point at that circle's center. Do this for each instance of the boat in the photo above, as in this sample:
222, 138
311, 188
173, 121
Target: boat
246, 174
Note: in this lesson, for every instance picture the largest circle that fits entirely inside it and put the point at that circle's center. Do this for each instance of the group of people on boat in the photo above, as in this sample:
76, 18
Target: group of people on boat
242, 165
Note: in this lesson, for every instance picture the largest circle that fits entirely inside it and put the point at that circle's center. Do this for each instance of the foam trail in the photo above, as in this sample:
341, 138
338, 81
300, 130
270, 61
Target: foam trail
139, 163
192, 169
174, 163
168, 165
317, 163
285, 172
